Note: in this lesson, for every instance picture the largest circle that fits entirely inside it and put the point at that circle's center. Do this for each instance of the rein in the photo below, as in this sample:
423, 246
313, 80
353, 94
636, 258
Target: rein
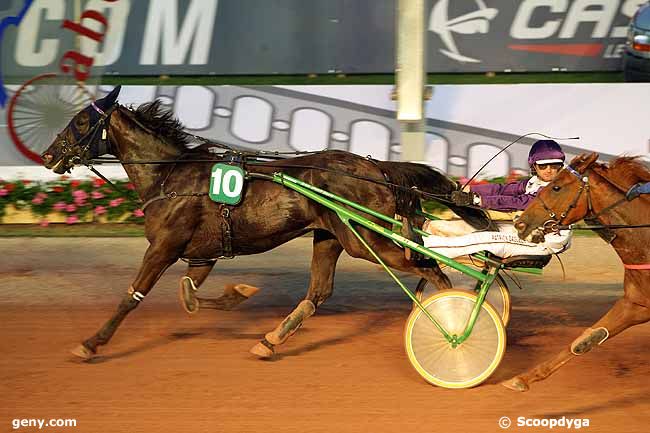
252, 158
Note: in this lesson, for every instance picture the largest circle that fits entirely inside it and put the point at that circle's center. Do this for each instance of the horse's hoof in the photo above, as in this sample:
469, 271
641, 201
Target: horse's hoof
262, 351
186, 293
516, 384
83, 352
243, 289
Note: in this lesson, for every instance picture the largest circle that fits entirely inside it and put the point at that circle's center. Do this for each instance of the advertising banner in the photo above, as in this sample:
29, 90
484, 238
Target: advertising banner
203, 37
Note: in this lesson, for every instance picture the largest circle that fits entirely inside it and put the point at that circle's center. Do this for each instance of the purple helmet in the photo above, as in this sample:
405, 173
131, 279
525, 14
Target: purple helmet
545, 152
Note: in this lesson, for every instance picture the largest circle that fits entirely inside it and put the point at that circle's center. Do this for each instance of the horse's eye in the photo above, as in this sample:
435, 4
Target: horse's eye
556, 188
82, 119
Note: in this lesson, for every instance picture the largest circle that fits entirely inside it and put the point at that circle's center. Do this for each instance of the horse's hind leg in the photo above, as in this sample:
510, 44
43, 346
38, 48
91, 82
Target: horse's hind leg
621, 316
156, 261
327, 251
232, 296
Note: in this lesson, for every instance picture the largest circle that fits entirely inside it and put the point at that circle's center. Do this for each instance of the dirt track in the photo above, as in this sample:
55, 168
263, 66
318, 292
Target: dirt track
345, 370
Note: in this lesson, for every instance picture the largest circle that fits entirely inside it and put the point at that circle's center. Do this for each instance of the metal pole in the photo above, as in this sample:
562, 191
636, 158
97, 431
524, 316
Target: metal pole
410, 74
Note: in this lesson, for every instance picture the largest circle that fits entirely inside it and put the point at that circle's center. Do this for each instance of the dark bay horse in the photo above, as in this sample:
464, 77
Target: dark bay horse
596, 192
182, 222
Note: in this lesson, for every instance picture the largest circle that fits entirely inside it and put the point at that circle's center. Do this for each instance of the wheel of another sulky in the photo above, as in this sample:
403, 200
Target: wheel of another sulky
40, 109
498, 295
436, 360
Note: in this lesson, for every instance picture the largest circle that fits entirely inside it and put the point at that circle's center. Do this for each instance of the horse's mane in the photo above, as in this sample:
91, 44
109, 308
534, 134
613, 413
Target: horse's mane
427, 179
629, 169
163, 123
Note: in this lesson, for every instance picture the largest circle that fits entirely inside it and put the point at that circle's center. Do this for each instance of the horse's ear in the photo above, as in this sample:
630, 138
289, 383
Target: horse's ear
109, 100
112, 97
580, 163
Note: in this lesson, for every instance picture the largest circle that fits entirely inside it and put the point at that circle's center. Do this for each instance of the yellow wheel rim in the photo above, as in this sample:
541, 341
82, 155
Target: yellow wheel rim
471, 362
498, 295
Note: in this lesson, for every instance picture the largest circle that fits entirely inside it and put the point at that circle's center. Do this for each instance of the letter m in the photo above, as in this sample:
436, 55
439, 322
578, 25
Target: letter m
163, 36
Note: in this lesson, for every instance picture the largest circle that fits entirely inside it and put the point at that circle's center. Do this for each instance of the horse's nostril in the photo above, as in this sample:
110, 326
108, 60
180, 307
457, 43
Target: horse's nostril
520, 226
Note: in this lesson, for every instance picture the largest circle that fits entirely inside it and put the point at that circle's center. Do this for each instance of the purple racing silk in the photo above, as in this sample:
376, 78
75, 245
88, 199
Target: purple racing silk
507, 198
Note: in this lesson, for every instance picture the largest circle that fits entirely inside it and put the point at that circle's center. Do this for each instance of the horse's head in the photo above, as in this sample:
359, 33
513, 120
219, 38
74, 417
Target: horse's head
563, 201
84, 137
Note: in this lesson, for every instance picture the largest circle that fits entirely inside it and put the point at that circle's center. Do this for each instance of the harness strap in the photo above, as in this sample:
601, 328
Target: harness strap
638, 267
120, 190
97, 109
226, 233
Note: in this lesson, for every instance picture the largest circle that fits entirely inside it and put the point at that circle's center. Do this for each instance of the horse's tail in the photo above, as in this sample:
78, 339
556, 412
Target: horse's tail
430, 180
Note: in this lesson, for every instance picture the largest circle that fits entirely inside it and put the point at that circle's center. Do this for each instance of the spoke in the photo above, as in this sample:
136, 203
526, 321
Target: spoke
24, 108
29, 105
42, 142
27, 136
30, 124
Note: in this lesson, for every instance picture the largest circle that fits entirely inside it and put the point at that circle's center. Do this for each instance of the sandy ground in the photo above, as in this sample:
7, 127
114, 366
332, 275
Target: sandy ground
345, 370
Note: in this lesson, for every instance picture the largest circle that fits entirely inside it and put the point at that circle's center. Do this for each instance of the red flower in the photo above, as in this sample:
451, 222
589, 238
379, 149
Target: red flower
26, 182
75, 183
130, 186
97, 182
57, 189
9, 186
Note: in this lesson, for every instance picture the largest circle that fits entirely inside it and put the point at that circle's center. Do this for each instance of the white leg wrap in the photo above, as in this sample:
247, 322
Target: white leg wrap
137, 296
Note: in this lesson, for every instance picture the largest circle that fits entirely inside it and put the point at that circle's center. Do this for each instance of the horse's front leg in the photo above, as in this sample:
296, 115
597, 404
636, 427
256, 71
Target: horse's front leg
327, 251
621, 316
156, 260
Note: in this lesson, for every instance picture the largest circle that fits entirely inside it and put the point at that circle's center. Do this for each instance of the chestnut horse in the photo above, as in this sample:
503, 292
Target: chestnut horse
181, 221
594, 191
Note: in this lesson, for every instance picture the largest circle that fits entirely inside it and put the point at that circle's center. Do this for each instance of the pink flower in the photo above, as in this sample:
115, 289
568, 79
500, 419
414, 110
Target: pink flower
59, 206
44, 223
138, 213
41, 195
100, 210
71, 219
70, 208
3, 192
116, 202
96, 195
79, 201
80, 193
37, 200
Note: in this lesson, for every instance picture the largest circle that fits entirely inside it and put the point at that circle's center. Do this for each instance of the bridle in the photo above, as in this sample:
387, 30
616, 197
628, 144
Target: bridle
83, 144
553, 225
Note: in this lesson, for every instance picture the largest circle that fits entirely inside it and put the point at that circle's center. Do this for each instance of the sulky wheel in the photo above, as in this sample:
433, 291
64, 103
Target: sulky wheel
436, 360
40, 109
498, 295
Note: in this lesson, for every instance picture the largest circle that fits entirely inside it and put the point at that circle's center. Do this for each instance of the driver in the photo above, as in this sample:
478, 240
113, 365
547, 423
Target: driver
456, 238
